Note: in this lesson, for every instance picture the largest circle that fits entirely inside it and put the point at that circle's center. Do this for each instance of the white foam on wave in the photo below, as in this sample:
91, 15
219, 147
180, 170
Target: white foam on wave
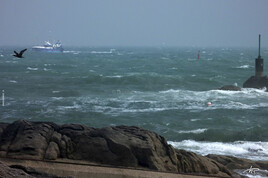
242, 149
46, 65
46, 69
103, 52
32, 68
115, 76
116, 110
174, 68
194, 101
194, 120
75, 106
243, 67
257, 174
55, 91
138, 102
220, 99
13, 81
73, 52
196, 131
57, 98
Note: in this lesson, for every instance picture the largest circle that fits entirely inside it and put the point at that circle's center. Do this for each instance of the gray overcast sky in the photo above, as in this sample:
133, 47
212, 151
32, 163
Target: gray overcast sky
213, 23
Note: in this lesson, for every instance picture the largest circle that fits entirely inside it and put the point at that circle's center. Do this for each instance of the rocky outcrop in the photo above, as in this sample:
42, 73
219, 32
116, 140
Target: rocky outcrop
240, 166
19, 171
230, 88
8, 172
238, 163
120, 146
189, 162
125, 146
256, 82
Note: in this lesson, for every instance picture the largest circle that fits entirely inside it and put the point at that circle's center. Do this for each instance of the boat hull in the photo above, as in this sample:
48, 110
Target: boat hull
48, 50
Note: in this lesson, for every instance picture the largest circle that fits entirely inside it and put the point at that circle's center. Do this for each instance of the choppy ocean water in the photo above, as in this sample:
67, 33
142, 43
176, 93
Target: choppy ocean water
164, 90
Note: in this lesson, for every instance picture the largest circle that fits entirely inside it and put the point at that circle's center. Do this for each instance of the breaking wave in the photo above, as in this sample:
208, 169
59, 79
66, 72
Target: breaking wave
197, 131
242, 149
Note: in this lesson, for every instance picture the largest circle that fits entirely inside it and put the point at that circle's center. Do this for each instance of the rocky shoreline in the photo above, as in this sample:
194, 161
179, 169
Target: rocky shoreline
120, 146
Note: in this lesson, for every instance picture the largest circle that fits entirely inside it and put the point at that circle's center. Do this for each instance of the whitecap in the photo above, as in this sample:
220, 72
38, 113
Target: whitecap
55, 91
115, 76
243, 67
260, 173
103, 52
73, 52
13, 81
174, 68
74, 106
243, 149
170, 91
196, 131
193, 120
45, 69
57, 98
32, 68
197, 100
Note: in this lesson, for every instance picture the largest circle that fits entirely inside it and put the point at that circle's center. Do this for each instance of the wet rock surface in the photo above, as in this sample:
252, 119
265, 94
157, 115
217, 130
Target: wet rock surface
7, 172
189, 162
230, 88
125, 146
256, 82
120, 146
242, 166
238, 163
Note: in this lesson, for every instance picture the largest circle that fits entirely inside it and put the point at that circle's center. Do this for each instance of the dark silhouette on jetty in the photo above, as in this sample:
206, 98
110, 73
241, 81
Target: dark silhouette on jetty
258, 81
19, 55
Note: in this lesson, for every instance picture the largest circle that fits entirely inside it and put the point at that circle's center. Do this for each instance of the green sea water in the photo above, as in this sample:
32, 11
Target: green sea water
165, 90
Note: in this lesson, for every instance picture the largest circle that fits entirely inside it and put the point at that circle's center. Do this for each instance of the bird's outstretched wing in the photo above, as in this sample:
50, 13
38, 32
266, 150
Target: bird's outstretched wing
22, 51
16, 53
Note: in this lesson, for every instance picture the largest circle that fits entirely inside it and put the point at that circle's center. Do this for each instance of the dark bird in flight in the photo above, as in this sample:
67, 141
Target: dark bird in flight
19, 55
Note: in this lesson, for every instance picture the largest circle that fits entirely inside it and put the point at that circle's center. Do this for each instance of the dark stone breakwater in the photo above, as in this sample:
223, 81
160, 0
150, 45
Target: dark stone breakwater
124, 146
258, 81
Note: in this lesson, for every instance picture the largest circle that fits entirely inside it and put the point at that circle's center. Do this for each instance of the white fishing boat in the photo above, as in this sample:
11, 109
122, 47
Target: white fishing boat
49, 47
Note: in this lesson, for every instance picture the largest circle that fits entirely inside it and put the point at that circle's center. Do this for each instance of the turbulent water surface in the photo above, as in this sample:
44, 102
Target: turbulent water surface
165, 90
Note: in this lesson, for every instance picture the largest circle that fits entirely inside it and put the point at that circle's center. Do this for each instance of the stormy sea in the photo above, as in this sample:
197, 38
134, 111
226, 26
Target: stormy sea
165, 90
